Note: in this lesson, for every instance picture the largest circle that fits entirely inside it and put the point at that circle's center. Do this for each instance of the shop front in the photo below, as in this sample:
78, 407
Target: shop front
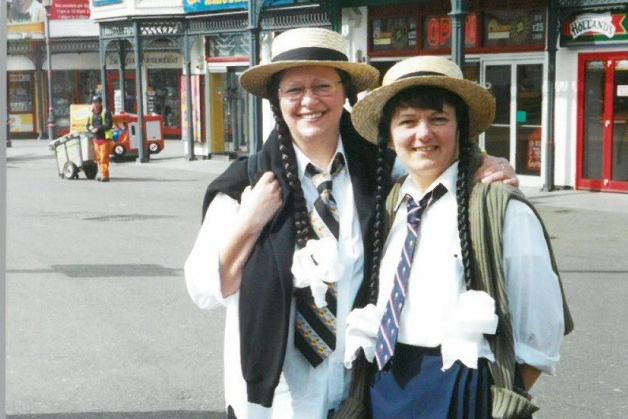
504, 49
599, 40
162, 81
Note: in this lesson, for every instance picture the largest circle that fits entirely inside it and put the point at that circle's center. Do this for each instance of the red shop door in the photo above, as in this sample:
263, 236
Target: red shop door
113, 84
602, 151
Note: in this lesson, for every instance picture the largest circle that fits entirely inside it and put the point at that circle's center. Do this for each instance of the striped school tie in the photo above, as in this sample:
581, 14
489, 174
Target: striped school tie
389, 327
315, 333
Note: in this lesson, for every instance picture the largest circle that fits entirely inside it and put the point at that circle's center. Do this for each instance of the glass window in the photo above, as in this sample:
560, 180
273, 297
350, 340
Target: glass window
228, 45
594, 82
512, 28
163, 95
529, 115
394, 33
63, 89
620, 123
20, 92
497, 136
88, 85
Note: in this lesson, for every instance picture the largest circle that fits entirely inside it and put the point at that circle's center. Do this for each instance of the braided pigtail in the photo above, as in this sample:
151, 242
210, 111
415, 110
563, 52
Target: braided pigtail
462, 195
383, 178
351, 92
289, 161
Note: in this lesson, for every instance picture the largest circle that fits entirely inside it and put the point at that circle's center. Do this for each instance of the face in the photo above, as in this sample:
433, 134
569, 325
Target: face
311, 101
426, 141
97, 106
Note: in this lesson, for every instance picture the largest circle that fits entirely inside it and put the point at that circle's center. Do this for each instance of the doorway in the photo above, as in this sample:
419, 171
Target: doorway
602, 151
229, 111
517, 129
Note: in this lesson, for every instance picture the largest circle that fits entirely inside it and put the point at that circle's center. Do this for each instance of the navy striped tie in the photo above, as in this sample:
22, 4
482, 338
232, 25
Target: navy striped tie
389, 327
315, 333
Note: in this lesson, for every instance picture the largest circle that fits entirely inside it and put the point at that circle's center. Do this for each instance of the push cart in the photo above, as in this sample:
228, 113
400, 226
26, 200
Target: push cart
75, 152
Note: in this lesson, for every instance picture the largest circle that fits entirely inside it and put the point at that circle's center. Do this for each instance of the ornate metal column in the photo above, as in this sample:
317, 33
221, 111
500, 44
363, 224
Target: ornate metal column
143, 156
459, 12
102, 50
51, 118
255, 103
187, 62
122, 72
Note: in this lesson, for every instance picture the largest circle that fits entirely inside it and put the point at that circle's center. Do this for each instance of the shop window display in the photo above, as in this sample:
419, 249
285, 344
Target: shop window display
20, 102
163, 95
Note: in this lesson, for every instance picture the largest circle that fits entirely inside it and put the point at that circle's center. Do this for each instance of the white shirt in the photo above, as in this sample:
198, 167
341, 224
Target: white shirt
303, 392
437, 277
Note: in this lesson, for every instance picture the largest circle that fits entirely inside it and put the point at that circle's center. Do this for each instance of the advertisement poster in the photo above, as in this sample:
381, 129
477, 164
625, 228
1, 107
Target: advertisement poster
25, 16
196, 108
21, 122
195, 6
69, 10
78, 117
595, 28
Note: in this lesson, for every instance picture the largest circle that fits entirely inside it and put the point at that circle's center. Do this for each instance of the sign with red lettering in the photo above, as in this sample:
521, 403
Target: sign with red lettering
595, 28
438, 32
69, 9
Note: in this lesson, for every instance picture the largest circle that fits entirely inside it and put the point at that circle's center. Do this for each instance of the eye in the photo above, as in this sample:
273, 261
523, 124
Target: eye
293, 91
440, 119
323, 88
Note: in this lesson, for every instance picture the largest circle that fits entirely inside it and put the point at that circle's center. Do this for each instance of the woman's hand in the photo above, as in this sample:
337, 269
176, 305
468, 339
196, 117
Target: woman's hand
495, 169
259, 204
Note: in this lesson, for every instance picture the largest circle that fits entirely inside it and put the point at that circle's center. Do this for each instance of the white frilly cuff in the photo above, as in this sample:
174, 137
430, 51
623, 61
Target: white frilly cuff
316, 265
361, 332
473, 316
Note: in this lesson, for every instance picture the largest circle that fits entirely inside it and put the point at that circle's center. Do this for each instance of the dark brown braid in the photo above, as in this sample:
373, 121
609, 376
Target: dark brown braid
434, 98
302, 224
383, 173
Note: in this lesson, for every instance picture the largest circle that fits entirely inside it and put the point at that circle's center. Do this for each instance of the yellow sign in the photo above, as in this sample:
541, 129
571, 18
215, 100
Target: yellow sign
21, 122
78, 117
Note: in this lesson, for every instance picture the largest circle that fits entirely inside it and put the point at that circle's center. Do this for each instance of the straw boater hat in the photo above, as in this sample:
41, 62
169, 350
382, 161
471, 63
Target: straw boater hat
307, 47
424, 71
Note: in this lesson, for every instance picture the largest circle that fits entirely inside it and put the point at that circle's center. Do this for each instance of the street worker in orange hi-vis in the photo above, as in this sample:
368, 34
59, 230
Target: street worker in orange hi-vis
100, 124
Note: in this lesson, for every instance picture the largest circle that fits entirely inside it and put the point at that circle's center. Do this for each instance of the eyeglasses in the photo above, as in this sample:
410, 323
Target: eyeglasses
322, 88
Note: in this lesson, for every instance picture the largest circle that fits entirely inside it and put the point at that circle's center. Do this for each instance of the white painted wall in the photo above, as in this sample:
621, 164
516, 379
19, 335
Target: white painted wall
73, 28
566, 110
73, 61
137, 8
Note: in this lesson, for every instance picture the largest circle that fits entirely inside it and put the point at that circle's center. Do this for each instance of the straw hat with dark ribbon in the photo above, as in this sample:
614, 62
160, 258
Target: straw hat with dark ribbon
308, 47
424, 71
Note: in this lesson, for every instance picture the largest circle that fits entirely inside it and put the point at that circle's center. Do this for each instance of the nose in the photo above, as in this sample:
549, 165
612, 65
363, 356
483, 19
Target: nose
309, 96
422, 130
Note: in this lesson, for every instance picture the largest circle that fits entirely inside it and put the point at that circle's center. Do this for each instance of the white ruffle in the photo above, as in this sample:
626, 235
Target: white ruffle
473, 316
315, 265
361, 332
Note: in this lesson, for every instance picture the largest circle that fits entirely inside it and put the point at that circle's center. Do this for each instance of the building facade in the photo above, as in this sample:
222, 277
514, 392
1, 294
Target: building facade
562, 130
74, 64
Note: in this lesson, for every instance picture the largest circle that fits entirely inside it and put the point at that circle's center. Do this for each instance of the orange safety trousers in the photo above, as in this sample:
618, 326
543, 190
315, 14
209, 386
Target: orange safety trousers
103, 148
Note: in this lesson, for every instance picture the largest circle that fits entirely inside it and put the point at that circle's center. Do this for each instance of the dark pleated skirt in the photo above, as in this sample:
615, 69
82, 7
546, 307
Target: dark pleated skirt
412, 386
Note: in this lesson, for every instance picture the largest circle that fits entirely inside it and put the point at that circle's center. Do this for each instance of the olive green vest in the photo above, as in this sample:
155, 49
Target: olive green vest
487, 210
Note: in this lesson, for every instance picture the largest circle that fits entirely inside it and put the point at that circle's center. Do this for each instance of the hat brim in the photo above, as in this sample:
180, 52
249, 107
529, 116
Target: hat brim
367, 113
256, 79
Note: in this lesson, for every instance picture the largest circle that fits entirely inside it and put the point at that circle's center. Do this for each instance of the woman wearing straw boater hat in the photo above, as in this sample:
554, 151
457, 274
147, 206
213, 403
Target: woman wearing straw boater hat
286, 239
470, 308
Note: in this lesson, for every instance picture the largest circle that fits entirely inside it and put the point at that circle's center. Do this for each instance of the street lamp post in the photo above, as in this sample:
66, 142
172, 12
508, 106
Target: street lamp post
459, 12
51, 119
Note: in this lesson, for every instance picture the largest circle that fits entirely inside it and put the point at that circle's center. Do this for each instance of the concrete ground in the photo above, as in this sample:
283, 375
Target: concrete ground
99, 323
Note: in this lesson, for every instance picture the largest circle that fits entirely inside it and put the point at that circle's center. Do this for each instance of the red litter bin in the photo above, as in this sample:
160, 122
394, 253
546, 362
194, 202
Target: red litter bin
126, 134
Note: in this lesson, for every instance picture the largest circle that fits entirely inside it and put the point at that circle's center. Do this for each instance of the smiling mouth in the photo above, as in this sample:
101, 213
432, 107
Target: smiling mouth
311, 116
424, 148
